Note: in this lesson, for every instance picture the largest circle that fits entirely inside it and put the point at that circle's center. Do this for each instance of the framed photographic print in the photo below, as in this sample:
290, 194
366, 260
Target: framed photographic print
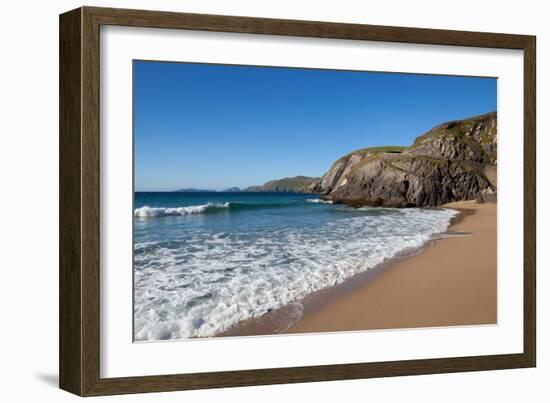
250, 201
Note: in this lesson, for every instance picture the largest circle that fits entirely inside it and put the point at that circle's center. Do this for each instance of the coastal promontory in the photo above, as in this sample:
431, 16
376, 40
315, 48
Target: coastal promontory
453, 161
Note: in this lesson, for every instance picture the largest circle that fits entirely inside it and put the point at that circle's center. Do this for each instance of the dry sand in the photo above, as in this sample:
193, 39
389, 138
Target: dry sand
452, 282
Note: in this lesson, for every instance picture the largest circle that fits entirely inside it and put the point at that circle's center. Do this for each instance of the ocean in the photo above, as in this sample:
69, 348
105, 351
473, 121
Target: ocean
203, 262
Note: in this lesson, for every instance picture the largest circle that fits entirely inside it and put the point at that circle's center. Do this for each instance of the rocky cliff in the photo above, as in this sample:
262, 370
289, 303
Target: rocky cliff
451, 162
298, 184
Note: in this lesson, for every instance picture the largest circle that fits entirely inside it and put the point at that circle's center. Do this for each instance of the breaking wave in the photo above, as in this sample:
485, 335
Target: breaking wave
147, 211
319, 201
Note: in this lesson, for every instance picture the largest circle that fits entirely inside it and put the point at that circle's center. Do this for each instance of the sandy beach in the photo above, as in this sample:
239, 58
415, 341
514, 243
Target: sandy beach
451, 282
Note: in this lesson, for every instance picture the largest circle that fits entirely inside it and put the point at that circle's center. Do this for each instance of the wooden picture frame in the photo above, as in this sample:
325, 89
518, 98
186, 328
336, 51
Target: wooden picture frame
79, 348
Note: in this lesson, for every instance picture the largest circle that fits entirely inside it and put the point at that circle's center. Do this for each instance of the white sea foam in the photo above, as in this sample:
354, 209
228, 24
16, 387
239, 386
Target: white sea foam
212, 280
319, 201
147, 211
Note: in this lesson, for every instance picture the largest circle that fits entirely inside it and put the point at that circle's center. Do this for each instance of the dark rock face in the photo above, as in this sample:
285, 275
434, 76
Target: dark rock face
454, 161
473, 139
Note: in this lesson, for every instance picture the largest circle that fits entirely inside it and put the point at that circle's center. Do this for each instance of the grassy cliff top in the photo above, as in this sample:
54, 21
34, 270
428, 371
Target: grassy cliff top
455, 128
375, 150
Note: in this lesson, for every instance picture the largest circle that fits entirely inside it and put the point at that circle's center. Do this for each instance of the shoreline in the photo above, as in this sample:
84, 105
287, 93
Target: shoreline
438, 284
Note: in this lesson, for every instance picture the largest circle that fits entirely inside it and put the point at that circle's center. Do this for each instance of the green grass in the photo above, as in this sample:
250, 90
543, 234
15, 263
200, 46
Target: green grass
459, 127
376, 150
386, 149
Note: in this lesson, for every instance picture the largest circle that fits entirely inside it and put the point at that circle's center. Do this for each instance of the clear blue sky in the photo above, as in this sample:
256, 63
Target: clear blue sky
215, 126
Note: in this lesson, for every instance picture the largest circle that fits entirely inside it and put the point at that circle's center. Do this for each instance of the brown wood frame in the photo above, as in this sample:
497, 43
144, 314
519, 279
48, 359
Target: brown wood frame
79, 201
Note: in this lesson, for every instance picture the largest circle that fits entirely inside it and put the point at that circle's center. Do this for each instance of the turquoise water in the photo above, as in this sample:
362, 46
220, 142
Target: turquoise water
205, 261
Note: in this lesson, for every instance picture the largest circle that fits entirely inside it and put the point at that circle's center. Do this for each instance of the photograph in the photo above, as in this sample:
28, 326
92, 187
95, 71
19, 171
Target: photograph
278, 200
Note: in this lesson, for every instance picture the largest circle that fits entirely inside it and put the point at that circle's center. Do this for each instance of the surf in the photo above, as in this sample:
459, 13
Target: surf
197, 279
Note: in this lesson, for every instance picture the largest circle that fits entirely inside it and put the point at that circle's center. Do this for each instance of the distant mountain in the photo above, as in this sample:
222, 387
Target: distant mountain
233, 189
193, 190
298, 184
